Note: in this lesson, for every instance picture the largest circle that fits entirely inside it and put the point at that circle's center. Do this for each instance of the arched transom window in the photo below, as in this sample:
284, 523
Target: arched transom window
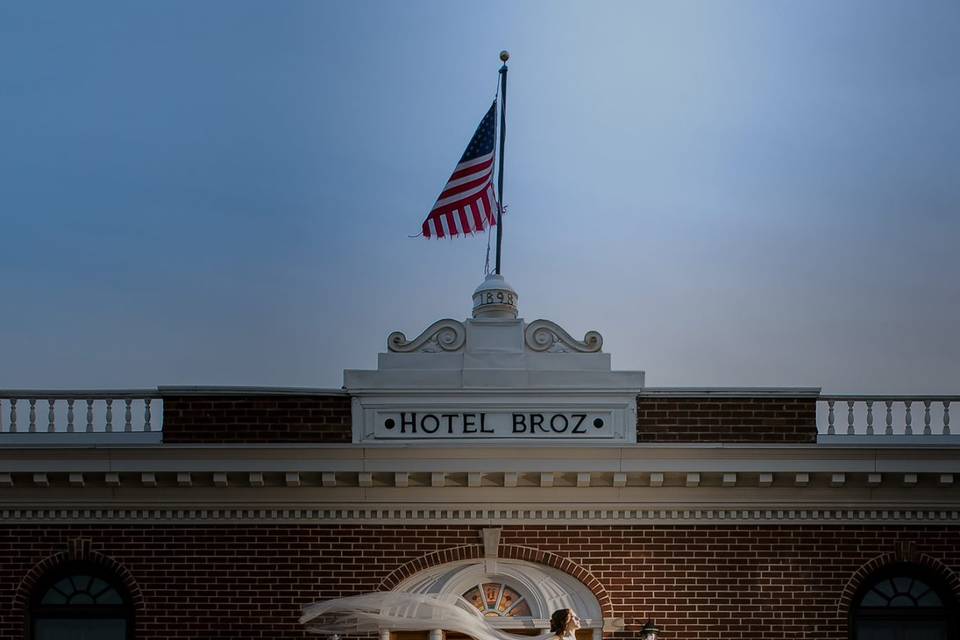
515, 596
80, 602
81, 590
904, 602
496, 600
901, 591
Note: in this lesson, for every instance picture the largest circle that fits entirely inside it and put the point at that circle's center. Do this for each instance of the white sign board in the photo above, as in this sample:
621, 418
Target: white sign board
477, 424
533, 419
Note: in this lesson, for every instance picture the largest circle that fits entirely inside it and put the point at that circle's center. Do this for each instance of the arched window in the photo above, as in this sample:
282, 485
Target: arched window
80, 601
515, 596
903, 602
497, 600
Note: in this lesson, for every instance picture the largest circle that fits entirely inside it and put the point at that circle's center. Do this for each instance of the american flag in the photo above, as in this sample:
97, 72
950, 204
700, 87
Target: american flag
468, 202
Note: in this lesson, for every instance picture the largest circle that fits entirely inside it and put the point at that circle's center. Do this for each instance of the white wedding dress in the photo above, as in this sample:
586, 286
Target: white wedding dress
399, 611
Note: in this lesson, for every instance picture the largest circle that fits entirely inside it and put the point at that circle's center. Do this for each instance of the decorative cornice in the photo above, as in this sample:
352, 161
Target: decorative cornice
544, 335
539, 514
577, 482
442, 335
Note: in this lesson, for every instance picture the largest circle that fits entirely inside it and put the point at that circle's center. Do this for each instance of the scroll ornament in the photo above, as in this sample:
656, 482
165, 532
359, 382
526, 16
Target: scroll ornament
543, 335
442, 335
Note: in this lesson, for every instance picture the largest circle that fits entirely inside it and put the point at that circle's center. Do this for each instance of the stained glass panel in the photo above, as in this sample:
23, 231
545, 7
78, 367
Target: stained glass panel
508, 599
519, 610
473, 597
495, 599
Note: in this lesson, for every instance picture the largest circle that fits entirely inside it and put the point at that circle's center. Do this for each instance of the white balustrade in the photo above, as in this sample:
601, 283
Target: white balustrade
898, 416
143, 411
138, 408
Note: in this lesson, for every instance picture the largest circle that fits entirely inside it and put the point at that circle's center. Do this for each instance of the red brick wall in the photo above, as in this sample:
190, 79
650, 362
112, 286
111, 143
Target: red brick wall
256, 418
326, 419
698, 582
711, 419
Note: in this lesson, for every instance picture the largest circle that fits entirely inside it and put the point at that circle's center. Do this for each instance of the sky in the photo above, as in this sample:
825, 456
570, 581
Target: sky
732, 193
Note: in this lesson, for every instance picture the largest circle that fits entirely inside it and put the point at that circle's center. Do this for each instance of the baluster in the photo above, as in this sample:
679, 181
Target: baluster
869, 417
908, 430
146, 414
850, 417
830, 430
13, 415
32, 427
51, 416
926, 418
89, 415
889, 429
109, 426
69, 415
946, 417
127, 415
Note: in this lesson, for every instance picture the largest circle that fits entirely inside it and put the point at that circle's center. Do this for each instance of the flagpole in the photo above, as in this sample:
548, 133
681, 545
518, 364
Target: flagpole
504, 56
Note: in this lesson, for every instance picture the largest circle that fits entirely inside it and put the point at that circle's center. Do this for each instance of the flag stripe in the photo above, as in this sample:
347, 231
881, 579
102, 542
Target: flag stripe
465, 219
479, 212
464, 190
475, 160
466, 168
467, 177
452, 201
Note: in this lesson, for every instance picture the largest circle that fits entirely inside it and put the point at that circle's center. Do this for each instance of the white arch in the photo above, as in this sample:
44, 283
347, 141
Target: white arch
546, 589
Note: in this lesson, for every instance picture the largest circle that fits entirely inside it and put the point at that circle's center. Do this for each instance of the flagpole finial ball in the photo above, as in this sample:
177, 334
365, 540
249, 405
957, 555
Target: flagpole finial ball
504, 55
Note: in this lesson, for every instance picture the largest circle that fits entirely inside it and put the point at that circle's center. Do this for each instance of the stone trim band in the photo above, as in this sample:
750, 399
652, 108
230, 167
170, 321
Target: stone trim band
539, 515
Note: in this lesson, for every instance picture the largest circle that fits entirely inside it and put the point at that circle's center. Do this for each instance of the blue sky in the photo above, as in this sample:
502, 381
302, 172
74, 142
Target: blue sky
732, 193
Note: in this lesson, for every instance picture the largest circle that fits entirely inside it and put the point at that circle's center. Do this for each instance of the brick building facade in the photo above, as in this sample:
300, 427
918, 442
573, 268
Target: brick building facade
500, 461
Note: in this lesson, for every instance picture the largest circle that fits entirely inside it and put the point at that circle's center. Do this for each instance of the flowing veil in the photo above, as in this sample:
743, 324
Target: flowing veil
400, 611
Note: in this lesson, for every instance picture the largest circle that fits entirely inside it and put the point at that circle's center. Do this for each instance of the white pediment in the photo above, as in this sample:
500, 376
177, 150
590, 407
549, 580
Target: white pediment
494, 378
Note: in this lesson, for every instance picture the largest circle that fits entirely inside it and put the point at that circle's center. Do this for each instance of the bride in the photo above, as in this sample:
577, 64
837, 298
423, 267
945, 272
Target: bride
400, 611
564, 624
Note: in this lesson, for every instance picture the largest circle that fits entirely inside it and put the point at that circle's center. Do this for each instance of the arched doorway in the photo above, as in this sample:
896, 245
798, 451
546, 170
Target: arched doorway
903, 602
514, 595
80, 601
